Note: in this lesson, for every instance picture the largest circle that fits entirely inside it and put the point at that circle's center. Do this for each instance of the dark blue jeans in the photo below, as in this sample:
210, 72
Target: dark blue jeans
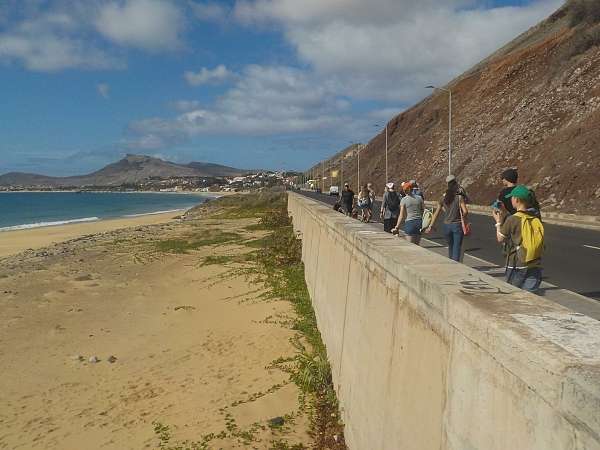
454, 237
526, 279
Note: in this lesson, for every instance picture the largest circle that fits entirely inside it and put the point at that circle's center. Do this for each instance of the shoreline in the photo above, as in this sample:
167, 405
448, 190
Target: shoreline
58, 223
74, 220
16, 241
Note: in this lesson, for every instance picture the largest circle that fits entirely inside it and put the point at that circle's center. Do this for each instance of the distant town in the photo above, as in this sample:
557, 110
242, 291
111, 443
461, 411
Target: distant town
246, 182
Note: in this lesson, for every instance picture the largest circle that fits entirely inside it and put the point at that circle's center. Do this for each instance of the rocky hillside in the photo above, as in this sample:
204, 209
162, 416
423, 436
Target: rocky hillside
534, 105
131, 169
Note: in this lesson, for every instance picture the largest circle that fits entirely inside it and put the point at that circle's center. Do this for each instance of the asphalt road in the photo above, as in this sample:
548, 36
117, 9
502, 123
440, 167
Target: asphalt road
571, 260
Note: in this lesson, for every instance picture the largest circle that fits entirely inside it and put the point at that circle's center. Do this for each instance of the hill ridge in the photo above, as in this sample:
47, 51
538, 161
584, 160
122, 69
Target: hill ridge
132, 168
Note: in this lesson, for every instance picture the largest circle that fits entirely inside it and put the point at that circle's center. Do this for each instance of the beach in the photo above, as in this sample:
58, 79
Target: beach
18, 240
142, 332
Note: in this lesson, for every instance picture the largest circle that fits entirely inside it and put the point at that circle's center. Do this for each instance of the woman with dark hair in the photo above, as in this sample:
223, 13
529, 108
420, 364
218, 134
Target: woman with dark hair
453, 205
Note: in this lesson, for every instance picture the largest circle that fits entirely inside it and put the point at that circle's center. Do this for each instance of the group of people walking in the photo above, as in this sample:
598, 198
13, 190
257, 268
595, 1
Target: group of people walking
516, 214
363, 208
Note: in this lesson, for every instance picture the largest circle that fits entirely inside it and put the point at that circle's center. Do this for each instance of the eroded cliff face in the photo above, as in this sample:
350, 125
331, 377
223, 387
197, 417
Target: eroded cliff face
534, 104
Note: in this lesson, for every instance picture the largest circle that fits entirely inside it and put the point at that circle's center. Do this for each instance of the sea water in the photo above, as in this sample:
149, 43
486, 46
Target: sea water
22, 210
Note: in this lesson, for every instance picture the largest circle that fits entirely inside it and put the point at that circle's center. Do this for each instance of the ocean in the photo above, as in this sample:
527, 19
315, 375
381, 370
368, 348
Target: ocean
23, 210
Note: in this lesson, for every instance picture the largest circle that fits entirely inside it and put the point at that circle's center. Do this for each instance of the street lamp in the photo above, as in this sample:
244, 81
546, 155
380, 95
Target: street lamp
449, 124
342, 173
386, 149
358, 145
322, 176
358, 166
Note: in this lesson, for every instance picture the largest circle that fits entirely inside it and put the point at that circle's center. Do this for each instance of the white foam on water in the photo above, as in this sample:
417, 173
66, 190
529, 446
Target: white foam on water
28, 226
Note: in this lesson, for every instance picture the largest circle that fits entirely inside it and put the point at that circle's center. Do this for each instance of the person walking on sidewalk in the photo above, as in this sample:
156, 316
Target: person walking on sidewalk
390, 207
373, 198
453, 205
348, 199
524, 233
411, 213
363, 203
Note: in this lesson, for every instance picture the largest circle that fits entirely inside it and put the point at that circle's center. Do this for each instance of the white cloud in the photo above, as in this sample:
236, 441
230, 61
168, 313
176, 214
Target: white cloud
53, 35
390, 49
318, 12
51, 42
146, 24
103, 90
204, 76
265, 100
209, 11
386, 50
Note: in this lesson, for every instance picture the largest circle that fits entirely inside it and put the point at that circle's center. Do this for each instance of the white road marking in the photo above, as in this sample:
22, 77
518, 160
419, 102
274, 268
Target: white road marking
591, 246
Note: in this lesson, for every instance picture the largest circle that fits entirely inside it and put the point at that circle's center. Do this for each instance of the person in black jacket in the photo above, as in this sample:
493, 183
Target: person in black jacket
390, 207
347, 198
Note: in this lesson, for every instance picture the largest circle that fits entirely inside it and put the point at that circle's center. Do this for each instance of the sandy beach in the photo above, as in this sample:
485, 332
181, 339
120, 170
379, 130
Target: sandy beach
16, 241
126, 340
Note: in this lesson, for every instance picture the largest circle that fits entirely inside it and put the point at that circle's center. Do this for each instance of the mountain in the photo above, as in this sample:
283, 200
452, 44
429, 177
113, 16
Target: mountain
211, 168
131, 169
534, 104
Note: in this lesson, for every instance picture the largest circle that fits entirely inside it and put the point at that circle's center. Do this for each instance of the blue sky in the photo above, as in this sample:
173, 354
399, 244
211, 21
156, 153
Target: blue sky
247, 83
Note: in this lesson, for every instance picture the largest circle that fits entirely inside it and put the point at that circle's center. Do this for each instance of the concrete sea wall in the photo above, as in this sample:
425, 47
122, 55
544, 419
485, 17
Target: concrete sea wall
429, 354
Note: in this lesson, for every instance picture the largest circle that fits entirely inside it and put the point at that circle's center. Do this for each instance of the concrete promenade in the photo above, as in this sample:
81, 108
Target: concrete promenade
571, 258
427, 353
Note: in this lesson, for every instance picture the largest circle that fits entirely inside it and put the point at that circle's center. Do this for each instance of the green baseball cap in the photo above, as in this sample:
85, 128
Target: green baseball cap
519, 191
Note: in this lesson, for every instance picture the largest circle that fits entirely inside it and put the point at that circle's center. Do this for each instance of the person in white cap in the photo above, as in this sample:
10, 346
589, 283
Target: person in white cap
390, 207
461, 191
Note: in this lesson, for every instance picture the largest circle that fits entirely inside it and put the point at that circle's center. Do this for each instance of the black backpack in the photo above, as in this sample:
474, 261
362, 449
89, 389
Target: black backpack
393, 201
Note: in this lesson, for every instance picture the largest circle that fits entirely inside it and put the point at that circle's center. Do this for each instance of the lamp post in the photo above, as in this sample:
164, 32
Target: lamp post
342, 173
358, 166
449, 124
386, 149
358, 148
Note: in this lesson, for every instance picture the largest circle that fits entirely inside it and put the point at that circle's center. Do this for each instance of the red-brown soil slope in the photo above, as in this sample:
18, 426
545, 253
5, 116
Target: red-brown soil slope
534, 104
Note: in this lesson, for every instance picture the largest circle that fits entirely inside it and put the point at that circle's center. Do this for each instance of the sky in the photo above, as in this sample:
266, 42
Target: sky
276, 84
